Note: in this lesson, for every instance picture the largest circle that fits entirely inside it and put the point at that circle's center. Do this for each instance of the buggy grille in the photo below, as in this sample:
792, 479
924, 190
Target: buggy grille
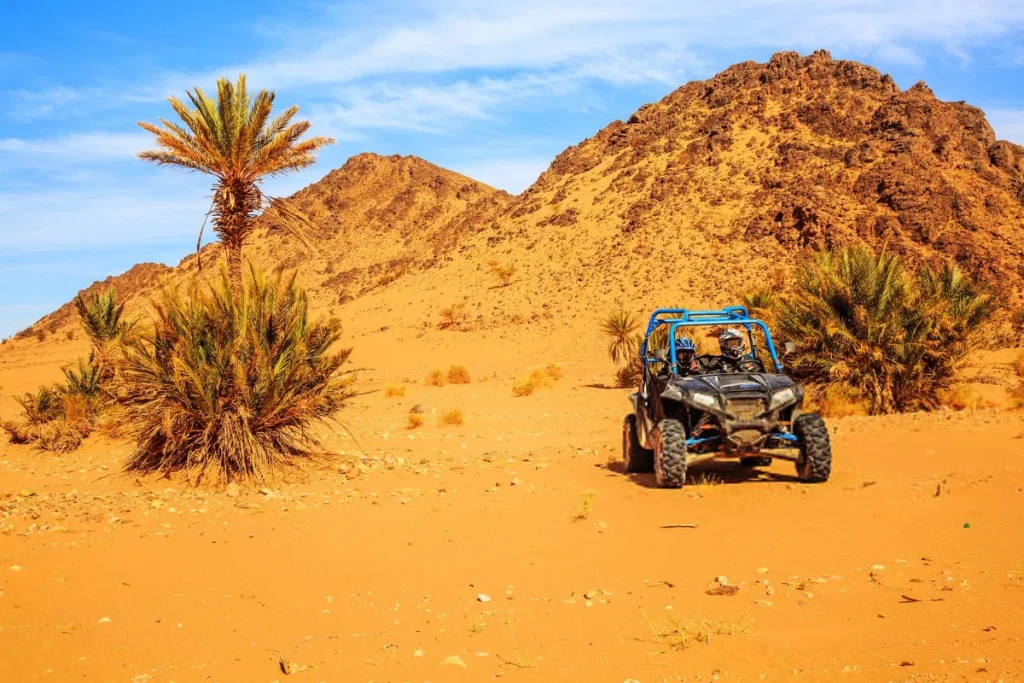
745, 408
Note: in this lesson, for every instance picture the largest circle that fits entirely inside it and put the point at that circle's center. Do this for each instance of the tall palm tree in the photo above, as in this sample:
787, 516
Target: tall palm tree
234, 139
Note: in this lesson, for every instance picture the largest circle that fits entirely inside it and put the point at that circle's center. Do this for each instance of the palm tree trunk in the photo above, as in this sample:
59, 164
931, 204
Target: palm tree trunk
235, 269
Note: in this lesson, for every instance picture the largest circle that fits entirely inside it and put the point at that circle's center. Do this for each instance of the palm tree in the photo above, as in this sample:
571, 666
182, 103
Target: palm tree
234, 139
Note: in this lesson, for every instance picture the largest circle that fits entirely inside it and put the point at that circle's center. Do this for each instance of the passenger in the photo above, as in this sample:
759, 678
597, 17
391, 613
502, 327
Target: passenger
686, 357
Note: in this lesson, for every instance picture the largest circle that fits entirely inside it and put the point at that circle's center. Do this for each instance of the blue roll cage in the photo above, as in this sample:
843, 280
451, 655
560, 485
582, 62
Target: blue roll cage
733, 316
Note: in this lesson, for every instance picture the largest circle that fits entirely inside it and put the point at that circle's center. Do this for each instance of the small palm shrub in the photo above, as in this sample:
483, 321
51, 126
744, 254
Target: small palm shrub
59, 417
56, 418
895, 336
228, 385
102, 317
624, 341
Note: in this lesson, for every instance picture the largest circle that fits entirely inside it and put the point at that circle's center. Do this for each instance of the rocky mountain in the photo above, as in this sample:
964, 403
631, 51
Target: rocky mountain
717, 188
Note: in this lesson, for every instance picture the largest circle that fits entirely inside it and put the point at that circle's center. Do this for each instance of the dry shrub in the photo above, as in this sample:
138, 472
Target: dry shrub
1018, 365
458, 375
538, 379
40, 334
228, 383
453, 316
394, 392
69, 335
502, 272
414, 421
835, 400
452, 418
435, 379
553, 371
522, 389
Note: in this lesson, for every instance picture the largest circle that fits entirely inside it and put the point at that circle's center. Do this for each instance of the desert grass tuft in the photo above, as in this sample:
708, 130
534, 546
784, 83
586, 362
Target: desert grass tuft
227, 385
414, 421
586, 504
682, 633
394, 392
435, 378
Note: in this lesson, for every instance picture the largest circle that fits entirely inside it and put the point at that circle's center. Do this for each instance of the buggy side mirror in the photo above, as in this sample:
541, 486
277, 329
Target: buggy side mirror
661, 355
790, 347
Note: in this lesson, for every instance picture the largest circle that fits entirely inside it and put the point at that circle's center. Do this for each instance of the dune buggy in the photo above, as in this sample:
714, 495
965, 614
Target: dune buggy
752, 411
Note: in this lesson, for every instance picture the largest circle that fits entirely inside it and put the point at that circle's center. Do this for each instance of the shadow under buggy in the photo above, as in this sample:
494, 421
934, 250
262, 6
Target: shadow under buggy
748, 409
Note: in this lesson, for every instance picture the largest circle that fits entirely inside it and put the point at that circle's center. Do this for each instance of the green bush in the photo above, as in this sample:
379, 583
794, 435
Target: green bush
228, 385
893, 334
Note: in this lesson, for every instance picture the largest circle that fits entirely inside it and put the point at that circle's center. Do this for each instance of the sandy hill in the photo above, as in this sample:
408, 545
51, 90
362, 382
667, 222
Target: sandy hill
715, 189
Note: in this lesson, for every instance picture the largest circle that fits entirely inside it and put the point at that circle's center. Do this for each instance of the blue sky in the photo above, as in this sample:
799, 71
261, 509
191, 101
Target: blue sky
493, 92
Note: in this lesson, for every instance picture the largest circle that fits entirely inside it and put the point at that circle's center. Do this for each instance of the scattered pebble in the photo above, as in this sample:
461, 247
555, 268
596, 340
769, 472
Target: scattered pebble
104, 620
482, 597
454, 660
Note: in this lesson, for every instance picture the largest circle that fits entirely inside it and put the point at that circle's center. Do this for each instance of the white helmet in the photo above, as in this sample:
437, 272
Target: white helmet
731, 343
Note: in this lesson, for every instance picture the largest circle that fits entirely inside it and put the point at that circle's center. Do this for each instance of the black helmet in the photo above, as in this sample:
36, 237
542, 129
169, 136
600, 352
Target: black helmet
731, 343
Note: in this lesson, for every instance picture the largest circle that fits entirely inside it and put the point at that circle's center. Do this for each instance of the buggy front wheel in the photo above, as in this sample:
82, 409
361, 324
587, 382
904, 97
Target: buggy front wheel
669, 439
815, 462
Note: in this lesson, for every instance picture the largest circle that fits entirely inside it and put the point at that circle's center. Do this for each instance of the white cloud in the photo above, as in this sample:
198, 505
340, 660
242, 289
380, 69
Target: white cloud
373, 51
76, 147
100, 216
1008, 124
432, 108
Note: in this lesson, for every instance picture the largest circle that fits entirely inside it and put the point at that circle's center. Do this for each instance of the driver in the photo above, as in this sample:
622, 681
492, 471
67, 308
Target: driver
686, 356
733, 349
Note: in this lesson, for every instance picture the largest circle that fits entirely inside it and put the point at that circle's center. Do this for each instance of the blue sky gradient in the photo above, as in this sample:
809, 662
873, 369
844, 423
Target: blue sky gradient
493, 92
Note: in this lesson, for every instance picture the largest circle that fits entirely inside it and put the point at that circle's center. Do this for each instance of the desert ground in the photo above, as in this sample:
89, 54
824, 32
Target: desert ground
513, 547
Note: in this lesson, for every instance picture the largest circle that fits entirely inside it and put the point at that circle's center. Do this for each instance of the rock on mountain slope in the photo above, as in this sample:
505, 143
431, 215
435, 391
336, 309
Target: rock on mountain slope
709, 192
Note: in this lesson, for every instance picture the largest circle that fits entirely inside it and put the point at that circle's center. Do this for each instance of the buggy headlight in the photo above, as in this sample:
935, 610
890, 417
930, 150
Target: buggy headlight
703, 400
672, 393
783, 398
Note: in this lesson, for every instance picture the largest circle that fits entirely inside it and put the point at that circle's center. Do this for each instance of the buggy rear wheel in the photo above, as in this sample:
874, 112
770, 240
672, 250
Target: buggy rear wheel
669, 439
815, 462
635, 457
